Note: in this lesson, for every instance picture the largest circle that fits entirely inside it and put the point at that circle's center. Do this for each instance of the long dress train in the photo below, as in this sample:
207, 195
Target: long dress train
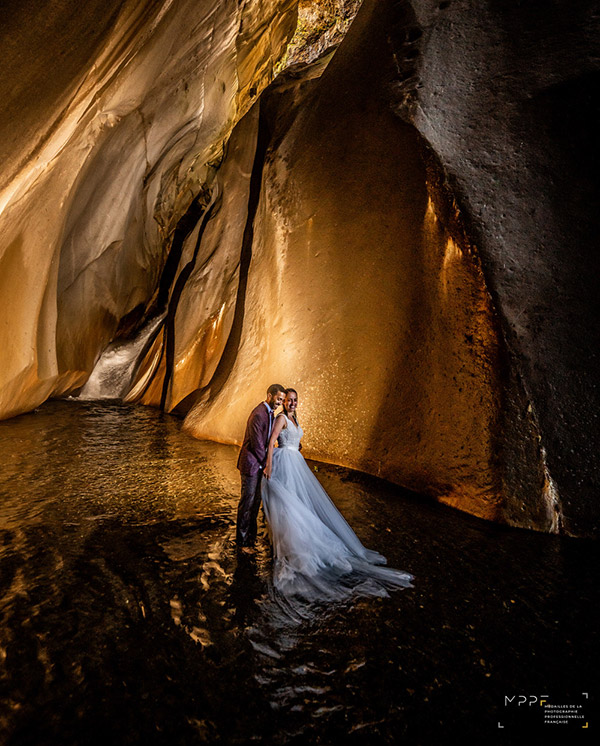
316, 553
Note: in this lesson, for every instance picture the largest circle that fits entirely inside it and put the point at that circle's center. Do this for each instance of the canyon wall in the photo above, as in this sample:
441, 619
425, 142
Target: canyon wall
503, 93
105, 152
401, 230
364, 294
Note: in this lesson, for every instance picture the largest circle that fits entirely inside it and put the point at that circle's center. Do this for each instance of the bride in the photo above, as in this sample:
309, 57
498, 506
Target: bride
316, 553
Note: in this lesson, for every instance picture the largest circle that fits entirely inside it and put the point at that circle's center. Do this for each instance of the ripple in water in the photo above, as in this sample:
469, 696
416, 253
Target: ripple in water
127, 617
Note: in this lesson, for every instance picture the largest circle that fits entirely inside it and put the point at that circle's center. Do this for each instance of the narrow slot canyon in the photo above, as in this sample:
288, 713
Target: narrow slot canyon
388, 206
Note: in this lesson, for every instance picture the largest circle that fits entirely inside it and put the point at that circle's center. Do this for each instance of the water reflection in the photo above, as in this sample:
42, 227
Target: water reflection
127, 615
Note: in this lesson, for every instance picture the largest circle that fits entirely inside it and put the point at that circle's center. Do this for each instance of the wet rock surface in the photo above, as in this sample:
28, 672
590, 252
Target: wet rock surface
125, 615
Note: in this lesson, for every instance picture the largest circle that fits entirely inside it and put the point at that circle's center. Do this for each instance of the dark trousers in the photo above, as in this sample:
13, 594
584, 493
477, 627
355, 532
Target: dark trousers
248, 509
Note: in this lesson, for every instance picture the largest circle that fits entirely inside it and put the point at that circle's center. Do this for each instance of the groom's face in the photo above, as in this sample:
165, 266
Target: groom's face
276, 400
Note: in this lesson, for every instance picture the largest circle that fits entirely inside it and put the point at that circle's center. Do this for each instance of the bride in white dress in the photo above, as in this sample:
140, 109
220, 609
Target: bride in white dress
316, 553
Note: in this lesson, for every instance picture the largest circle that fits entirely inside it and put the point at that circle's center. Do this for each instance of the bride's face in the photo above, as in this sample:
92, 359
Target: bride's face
291, 402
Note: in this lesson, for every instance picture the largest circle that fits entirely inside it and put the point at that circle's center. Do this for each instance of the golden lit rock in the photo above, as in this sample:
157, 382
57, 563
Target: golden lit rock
358, 298
205, 310
118, 156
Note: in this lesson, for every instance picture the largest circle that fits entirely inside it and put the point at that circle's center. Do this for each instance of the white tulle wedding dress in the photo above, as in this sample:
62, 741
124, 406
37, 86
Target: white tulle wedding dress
316, 553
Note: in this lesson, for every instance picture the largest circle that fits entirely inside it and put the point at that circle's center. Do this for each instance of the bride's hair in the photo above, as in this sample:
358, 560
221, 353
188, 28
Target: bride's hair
286, 392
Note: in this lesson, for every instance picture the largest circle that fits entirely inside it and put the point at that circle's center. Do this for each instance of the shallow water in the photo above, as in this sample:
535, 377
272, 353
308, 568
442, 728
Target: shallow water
126, 616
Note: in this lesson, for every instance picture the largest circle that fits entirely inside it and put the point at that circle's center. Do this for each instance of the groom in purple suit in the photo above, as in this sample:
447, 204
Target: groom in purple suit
251, 462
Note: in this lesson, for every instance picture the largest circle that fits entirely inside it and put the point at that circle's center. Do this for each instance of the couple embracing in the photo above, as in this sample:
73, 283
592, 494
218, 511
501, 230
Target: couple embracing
316, 553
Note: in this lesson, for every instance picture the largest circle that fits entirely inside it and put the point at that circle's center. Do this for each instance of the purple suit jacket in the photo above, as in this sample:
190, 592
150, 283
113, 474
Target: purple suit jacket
253, 454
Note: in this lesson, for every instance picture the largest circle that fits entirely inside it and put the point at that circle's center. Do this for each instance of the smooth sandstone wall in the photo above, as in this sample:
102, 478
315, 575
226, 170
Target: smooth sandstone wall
365, 294
124, 141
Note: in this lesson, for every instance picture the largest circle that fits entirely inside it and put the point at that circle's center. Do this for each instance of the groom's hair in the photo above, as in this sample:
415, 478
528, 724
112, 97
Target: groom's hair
275, 388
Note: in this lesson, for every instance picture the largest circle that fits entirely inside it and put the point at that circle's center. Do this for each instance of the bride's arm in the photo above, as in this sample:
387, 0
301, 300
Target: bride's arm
277, 428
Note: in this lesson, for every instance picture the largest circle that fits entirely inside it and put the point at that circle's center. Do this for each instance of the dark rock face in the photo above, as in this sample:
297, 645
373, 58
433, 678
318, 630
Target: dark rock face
504, 94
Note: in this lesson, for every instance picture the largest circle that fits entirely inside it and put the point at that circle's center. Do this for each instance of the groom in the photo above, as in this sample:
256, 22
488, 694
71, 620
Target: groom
251, 462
